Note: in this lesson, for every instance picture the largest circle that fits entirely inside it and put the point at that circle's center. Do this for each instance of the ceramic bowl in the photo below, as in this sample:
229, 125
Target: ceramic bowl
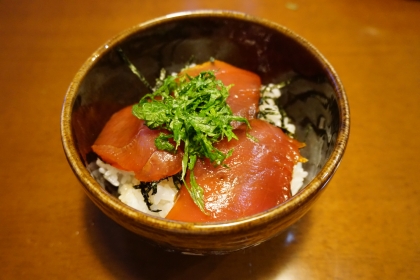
315, 101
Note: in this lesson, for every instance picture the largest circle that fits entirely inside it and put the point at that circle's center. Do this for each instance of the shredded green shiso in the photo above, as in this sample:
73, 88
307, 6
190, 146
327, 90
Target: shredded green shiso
194, 112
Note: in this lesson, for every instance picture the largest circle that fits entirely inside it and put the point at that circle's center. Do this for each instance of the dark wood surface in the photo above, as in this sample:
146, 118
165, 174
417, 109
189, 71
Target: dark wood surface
365, 226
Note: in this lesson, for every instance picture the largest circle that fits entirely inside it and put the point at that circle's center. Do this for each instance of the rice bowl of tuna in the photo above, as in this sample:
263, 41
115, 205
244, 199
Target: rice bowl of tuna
299, 98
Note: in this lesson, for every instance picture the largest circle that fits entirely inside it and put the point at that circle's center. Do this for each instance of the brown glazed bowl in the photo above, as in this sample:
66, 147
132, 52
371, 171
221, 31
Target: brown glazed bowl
315, 100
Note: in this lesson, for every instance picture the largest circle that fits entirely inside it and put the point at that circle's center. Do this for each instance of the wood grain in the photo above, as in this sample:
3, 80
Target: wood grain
365, 226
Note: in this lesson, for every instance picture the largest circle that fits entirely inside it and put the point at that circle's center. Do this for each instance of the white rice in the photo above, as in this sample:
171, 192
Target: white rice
166, 193
299, 174
163, 200
272, 113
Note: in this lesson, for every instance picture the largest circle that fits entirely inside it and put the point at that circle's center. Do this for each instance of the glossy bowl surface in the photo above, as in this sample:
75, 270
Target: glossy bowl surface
315, 100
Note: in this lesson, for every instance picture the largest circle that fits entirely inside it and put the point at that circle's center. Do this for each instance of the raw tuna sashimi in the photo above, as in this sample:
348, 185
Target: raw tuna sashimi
257, 178
128, 144
244, 95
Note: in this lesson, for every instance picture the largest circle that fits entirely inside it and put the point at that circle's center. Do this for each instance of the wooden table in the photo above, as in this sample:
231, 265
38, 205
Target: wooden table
365, 226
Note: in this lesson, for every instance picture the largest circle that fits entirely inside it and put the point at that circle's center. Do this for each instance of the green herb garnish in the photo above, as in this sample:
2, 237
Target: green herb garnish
194, 112
133, 68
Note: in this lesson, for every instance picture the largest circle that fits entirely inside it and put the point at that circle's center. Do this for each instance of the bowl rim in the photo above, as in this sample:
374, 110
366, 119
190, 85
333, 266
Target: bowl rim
92, 187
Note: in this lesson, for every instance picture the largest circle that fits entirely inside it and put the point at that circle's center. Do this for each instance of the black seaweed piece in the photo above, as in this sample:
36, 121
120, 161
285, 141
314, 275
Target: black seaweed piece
145, 188
177, 179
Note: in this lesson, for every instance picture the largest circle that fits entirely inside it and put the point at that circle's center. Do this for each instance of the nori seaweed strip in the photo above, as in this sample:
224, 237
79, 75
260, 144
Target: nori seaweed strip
134, 69
177, 179
145, 188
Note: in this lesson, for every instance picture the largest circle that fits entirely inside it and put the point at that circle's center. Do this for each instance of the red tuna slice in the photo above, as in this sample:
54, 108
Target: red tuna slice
128, 144
244, 95
258, 177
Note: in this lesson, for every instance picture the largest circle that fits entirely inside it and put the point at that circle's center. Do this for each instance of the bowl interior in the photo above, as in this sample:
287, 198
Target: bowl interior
311, 101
